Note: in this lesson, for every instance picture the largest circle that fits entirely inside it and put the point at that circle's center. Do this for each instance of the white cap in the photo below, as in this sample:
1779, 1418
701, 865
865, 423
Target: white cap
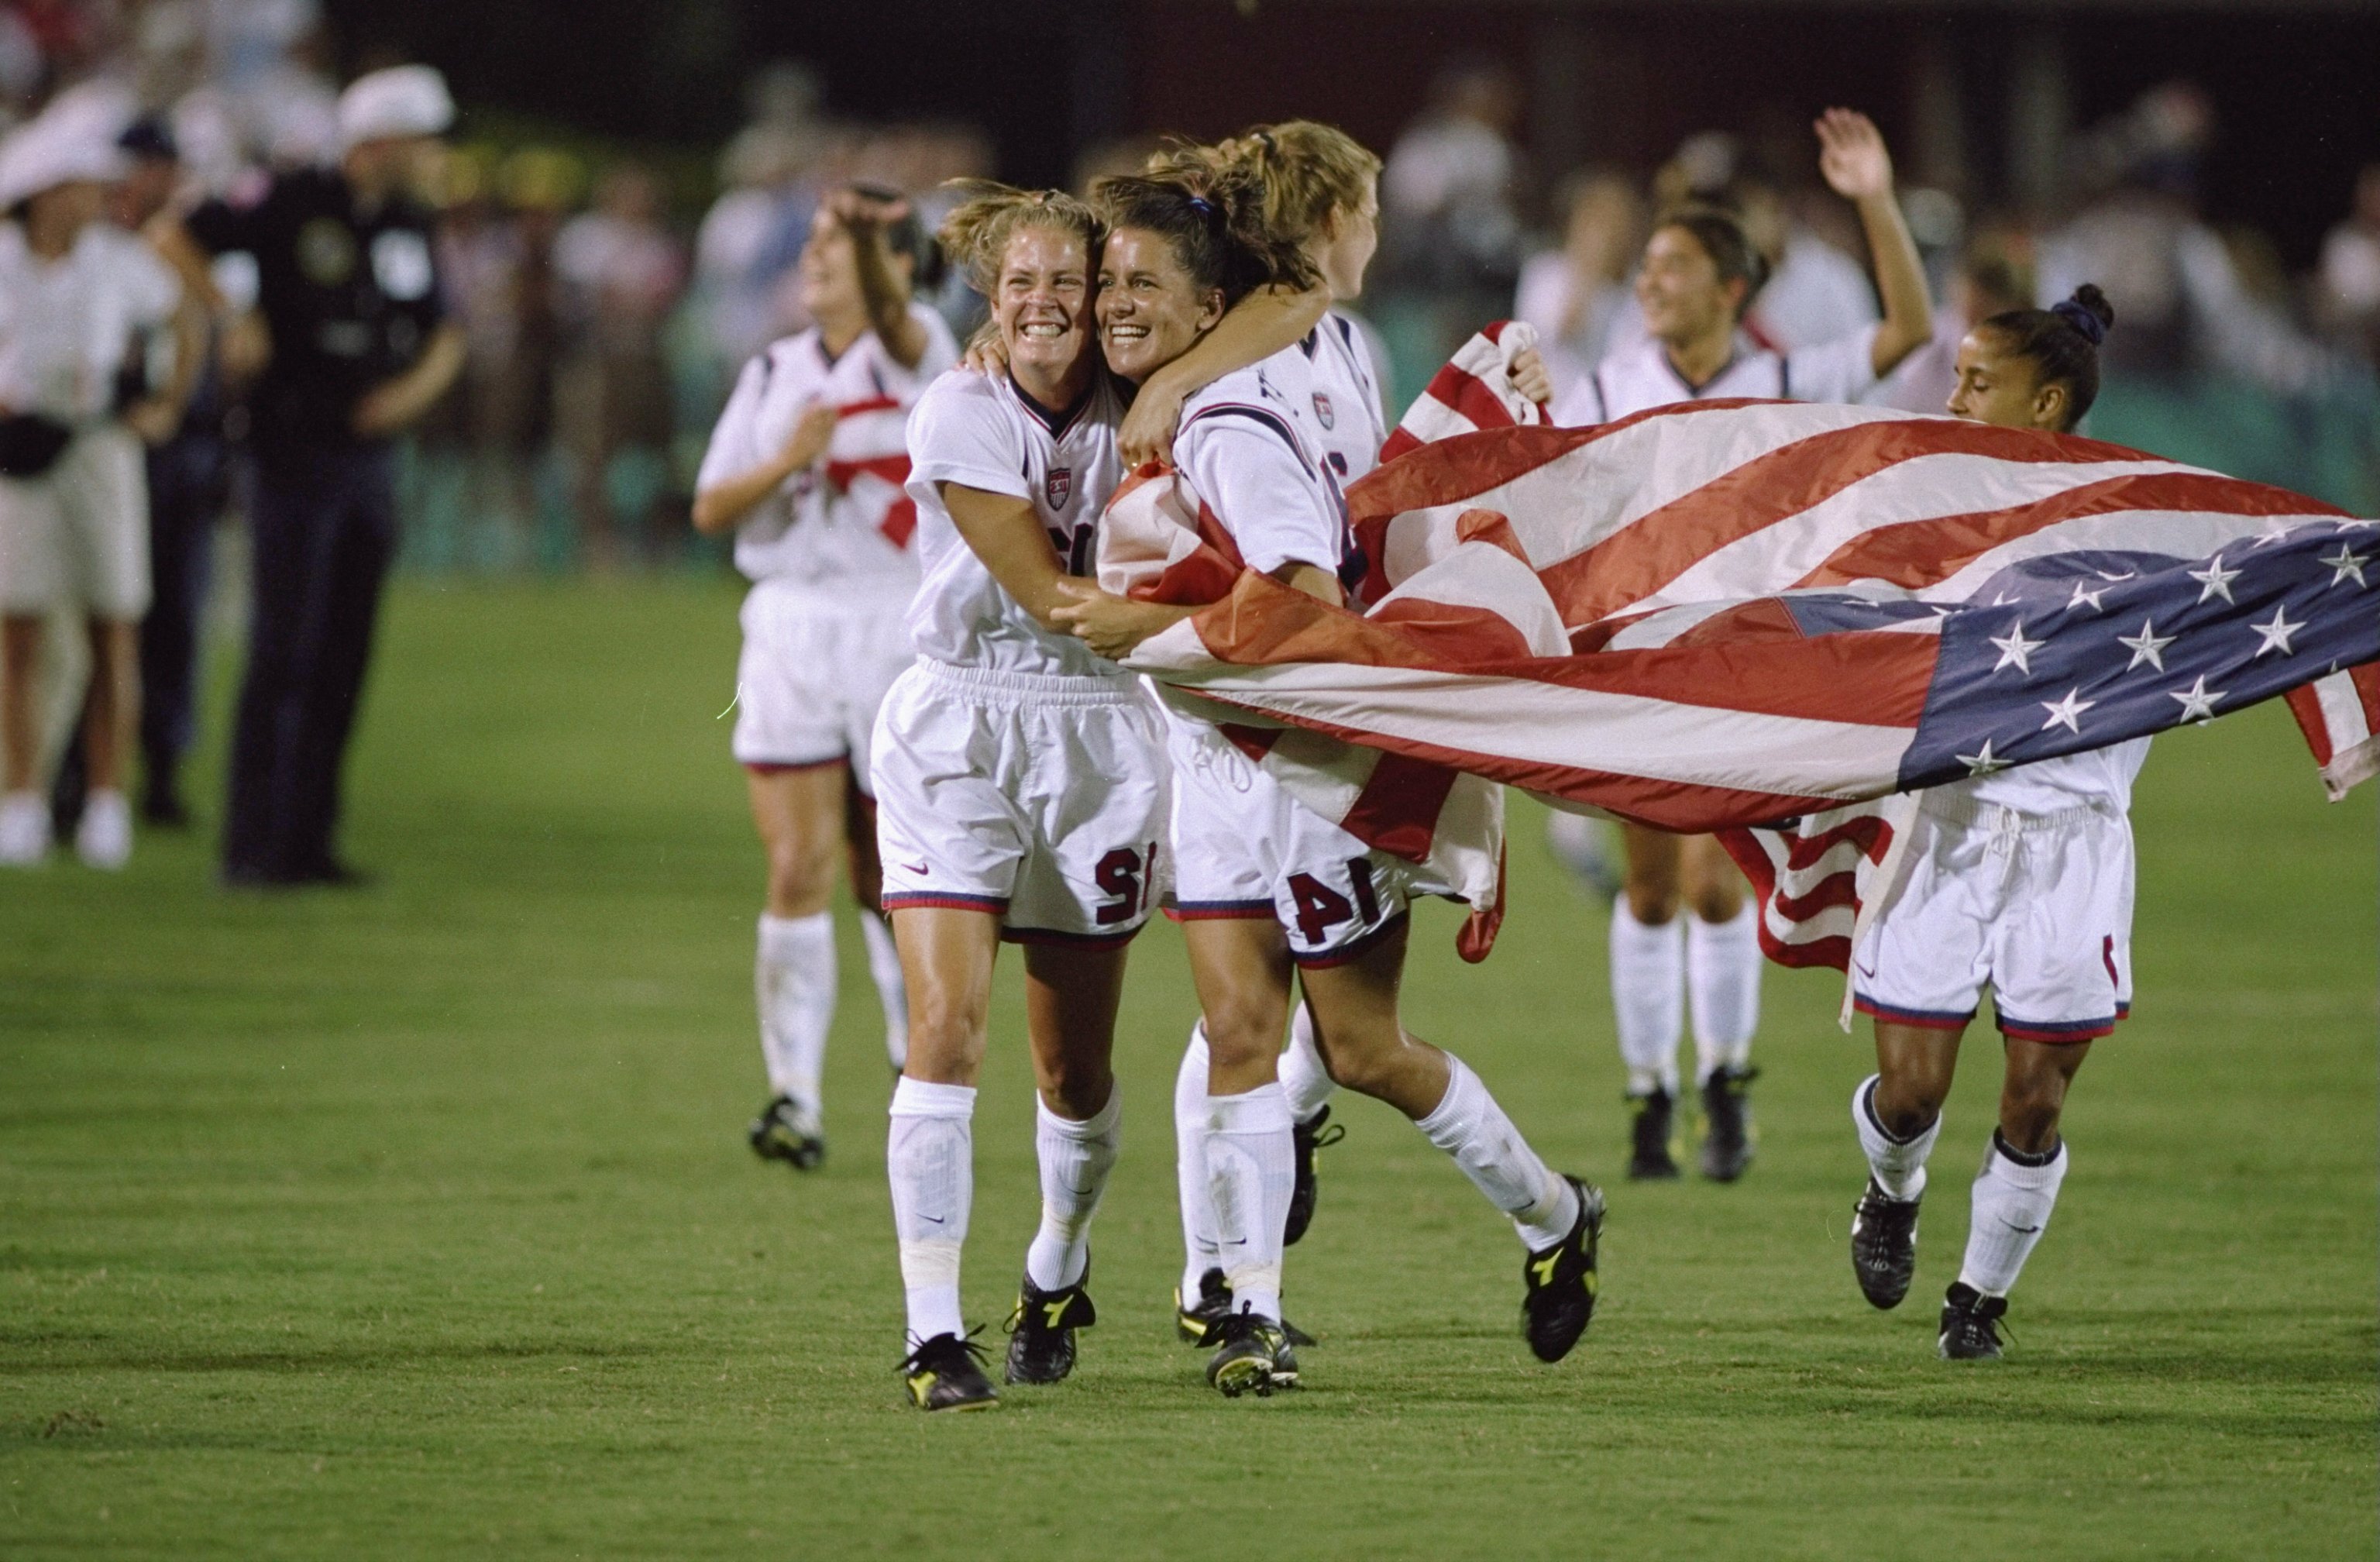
404, 100
57, 150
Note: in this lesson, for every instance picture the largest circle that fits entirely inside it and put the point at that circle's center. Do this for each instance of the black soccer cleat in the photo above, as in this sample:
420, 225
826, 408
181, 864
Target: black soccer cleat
1307, 1138
783, 1133
1971, 1325
1653, 1157
946, 1373
1562, 1282
1884, 1245
1726, 1123
1253, 1356
1041, 1330
1195, 1325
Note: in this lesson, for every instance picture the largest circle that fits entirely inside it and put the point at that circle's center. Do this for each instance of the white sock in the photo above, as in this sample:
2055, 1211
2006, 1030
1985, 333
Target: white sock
1648, 966
1251, 1167
1723, 963
1199, 1250
1303, 1080
2011, 1207
930, 1155
884, 965
795, 981
1076, 1160
1898, 1164
1468, 1125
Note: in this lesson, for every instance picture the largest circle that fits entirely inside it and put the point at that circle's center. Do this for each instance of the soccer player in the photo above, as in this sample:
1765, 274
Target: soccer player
1262, 884
1022, 789
2021, 880
1700, 273
76, 293
828, 554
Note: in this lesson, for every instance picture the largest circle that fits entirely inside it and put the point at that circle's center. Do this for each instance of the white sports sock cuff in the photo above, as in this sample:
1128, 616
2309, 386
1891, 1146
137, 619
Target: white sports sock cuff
2016, 1174
786, 940
918, 1098
1457, 1106
1099, 1124
1262, 1110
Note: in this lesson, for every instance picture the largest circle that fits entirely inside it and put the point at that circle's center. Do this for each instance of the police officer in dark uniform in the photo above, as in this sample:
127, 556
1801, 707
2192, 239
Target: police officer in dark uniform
360, 348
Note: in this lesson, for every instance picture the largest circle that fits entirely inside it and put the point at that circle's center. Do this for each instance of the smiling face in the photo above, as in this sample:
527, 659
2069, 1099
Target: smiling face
1344, 249
1680, 291
1151, 309
1997, 388
1043, 300
829, 271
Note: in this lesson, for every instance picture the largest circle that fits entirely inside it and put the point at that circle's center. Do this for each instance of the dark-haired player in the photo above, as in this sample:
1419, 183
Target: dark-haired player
1699, 274
827, 550
2019, 879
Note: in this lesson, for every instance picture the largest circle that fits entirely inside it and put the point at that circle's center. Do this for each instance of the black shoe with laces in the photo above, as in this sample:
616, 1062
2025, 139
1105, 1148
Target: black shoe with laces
1726, 1123
1651, 1158
1195, 1325
1306, 1138
946, 1373
1971, 1325
1561, 1280
1253, 1356
783, 1133
1041, 1330
1884, 1245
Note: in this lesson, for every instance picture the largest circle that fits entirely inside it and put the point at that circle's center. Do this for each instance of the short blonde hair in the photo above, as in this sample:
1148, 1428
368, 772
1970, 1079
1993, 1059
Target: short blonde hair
976, 234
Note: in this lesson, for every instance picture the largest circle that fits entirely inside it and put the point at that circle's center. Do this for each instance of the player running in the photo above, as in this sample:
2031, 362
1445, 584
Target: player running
1700, 273
2021, 880
1264, 886
796, 466
1024, 789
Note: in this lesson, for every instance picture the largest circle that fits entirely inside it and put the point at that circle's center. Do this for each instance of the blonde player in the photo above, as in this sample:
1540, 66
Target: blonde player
1263, 885
1699, 274
2020, 879
1024, 789
826, 546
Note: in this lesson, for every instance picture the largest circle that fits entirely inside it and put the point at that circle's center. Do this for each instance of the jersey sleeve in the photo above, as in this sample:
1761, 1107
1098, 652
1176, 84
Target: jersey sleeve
734, 439
1842, 369
1257, 478
959, 433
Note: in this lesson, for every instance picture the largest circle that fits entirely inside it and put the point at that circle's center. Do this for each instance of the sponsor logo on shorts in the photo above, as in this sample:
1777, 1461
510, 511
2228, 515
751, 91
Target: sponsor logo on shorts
1058, 485
1323, 410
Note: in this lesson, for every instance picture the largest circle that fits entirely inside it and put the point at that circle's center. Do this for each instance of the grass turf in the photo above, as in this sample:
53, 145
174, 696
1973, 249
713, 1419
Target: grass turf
417, 1220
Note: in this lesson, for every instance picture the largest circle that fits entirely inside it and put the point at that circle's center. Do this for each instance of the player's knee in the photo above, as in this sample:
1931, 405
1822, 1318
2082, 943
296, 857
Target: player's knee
1653, 900
800, 872
2029, 1113
1076, 1089
1905, 1107
1244, 1029
1719, 902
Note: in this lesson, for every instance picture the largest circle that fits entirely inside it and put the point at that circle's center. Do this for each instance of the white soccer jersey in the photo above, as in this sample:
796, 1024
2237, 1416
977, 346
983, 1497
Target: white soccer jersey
1349, 425
1640, 375
1248, 445
65, 325
984, 432
829, 525
2098, 775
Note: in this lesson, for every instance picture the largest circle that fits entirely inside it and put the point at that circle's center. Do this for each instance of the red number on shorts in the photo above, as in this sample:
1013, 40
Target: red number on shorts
1119, 875
1321, 907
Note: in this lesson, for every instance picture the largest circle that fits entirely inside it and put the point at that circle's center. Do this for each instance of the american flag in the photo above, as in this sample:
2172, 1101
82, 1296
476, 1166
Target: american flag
1767, 619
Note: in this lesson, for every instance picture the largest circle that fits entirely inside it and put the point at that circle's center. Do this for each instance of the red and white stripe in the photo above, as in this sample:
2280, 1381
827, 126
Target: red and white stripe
867, 458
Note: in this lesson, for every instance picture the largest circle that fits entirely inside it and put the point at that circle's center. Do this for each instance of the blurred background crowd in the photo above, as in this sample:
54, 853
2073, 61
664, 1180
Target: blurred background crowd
622, 197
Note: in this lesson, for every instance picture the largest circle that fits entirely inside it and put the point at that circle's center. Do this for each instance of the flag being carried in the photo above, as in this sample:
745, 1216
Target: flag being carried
1724, 615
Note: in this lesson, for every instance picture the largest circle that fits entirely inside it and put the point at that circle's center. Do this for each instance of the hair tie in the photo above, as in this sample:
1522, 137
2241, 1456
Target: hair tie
1264, 138
1201, 205
2093, 328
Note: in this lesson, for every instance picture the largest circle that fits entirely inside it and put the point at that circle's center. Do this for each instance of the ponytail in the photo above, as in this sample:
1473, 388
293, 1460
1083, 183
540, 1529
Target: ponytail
2061, 343
1212, 218
1311, 174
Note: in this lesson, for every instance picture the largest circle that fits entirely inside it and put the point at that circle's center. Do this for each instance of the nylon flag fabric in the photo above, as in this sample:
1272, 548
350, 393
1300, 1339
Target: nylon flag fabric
867, 458
1768, 619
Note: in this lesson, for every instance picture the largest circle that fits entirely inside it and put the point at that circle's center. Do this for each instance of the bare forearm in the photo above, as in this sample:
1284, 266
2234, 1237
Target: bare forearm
888, 306
1899, 280
1253, 330
1016, 550
724, 505
397, 403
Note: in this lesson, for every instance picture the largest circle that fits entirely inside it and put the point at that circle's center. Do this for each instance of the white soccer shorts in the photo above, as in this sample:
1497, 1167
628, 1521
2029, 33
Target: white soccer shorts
1244, 847
814, 670
1040, 799
77, 535
2036, 906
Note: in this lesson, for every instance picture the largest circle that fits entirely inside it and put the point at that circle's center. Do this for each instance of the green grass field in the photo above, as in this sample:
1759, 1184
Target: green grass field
419, 1222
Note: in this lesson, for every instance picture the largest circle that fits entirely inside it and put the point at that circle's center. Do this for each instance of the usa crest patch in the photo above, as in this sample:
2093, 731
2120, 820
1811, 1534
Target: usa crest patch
1058, 485
1323, 410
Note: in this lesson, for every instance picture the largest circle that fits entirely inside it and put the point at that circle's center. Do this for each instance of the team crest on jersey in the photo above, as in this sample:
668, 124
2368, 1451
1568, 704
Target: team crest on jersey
1058, 485
1323, 410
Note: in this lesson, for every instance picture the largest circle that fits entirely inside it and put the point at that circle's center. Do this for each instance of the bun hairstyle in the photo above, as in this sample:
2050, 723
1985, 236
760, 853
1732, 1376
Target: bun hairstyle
2061, 343
1310, 173
1212, 215
977, 232
1730, 250
906, 236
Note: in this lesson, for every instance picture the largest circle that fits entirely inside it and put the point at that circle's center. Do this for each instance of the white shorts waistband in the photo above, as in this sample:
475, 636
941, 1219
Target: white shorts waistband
990, 686
2004, 819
